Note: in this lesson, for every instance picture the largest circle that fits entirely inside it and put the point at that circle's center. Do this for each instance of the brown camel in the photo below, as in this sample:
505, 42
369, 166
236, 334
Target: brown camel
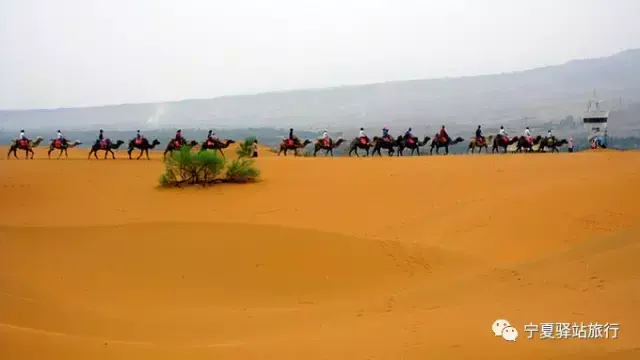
551, 143
175, 145
501, 142
327, 145
474, 143
438, 142
523, 143
26, 145
294, 145
359, 143
216, 145
105, 145
413, 144
143, 145
61, 145
379, 144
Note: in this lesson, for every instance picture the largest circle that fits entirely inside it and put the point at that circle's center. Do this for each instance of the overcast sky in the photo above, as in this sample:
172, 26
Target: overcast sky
64, 53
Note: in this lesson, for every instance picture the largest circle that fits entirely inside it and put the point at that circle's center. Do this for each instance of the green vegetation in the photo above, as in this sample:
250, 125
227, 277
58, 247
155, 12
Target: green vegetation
245, 148
242, 170
184, 167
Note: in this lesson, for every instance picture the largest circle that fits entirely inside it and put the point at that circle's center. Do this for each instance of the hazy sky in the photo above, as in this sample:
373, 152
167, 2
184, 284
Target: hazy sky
62, 53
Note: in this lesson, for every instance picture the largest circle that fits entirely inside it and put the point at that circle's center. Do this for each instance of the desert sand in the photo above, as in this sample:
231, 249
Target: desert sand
325, 258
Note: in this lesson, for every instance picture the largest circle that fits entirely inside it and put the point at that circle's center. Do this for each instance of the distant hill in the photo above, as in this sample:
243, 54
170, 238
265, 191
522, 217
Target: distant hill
543, 94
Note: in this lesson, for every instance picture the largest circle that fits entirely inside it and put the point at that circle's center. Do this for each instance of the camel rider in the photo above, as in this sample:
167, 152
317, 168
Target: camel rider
408, 135
179, 137
362, 135
100, 138
138, 135
325, 137
502, 132
292, 138
211, 136
385, 134
549, 135
61, 138
479, 137
527, 135
22, 136
443, 134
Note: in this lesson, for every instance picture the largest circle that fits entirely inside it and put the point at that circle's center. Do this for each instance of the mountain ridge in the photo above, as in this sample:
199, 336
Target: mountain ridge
541, 93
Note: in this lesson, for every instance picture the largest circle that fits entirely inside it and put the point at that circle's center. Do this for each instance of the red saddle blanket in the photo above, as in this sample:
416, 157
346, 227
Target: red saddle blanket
138, 141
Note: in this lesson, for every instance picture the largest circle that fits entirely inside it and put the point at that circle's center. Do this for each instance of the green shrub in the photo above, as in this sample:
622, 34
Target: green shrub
245, 148
242, 170
185, 166
204, 168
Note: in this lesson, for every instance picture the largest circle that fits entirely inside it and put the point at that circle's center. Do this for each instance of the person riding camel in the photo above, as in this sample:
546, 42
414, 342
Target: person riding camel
444, 137
292, 138
211, 137
100, 138
138, 138
527, 135
179, 137
22, 137
550, 136
325, 138
409, 136
60, 138
385, 134
503, 133
362, 136
479, 138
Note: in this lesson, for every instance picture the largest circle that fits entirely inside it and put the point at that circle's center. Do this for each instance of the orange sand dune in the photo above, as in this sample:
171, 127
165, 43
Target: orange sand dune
326, 258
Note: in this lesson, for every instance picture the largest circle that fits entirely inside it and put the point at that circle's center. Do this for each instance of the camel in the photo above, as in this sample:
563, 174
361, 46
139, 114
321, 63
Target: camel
175, 145
143, 145
359, 143
107, 146
287, 144
437, 144
328, 147
26, 145
216, 145
62, 146
480, 144
379, 143
551, 143
524, 144
414, 144
500, 142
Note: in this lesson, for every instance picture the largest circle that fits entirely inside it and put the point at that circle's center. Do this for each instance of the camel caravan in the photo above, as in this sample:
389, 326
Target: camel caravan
409, 143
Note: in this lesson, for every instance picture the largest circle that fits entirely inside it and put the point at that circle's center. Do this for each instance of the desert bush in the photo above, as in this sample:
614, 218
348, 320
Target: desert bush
242, 170
185, 167
245, 148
